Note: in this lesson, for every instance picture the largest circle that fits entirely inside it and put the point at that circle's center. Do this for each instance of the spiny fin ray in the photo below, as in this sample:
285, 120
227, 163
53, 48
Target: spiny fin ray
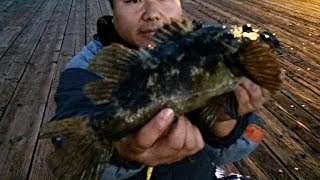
113, 64
174, 30
81, 152
264, 67
100, 92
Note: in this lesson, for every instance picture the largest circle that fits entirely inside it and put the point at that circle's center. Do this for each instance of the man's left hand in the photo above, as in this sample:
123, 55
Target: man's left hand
250, 96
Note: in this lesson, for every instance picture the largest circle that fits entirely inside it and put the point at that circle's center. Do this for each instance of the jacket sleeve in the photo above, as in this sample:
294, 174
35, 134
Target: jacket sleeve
69, 97
241, 142
71, 101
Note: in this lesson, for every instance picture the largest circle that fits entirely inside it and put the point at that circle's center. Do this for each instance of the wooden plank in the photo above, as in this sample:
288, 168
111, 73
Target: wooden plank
298, 157
233, 15
74, 38
14, 20
244, 13
230, 168
193, 11
17, 58
297, 70
294, 117
93, 12
302, 96
80, 30
11, 10
300, 53
212, 13
309, 83
274, 15
247, 167
271, 165
295, 9
303, 58
39, 168
70, 43
286, 34
23, 122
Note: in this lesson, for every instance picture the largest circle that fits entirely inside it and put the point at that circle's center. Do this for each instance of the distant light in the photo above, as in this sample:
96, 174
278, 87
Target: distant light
150, 46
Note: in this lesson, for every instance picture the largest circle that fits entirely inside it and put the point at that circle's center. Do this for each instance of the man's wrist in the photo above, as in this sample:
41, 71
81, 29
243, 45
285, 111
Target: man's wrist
224, 128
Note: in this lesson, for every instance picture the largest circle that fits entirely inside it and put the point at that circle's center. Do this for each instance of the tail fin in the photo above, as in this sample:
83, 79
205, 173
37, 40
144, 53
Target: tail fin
82, 155
261, 65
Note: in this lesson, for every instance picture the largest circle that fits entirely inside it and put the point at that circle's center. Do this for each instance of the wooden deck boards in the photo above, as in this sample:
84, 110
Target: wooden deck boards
38, 37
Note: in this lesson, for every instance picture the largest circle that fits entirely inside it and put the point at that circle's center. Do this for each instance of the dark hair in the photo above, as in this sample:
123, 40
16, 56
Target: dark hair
111, 3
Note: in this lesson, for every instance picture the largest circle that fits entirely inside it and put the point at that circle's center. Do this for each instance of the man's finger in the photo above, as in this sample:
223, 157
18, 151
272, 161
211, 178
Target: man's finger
254, 92
199, 140
243, 100
176, 138
190, 140
149, 134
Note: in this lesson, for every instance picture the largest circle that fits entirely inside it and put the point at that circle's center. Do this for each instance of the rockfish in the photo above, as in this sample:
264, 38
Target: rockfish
189, 68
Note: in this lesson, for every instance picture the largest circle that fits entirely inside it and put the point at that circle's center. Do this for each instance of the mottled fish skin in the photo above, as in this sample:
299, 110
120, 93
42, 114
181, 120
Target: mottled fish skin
182, 74
187, 69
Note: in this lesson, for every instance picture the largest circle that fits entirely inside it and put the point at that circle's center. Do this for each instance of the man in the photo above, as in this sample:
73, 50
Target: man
183, 152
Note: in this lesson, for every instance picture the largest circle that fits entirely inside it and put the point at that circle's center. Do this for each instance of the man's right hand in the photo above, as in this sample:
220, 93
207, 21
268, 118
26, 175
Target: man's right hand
158, 143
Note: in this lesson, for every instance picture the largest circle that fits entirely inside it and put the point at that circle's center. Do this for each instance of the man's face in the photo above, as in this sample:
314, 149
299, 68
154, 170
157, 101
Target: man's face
136, 21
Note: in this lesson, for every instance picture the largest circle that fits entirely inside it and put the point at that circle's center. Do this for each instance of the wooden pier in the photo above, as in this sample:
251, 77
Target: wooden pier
37, 38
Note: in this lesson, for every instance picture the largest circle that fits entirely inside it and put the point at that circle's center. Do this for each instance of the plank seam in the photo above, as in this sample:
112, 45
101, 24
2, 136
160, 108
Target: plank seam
22, 30
279, 161
14, 91
25, 68
48, 97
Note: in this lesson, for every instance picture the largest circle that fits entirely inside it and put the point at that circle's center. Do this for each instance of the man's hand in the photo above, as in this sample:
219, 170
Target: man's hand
160, 142
250, 98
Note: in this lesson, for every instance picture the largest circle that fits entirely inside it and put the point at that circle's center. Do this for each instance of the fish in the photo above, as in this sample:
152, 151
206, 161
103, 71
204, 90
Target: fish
187, 69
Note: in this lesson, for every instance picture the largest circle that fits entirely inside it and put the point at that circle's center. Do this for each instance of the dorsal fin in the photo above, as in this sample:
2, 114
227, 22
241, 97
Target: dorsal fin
174, 30
113, 60
112, 63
